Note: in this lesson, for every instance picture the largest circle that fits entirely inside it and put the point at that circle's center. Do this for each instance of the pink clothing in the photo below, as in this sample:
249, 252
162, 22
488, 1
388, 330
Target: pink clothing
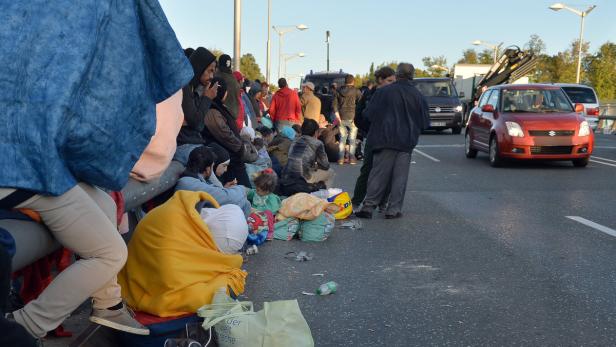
158, 154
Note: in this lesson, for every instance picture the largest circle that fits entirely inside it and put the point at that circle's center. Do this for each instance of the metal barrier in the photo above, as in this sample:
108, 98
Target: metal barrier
607, 118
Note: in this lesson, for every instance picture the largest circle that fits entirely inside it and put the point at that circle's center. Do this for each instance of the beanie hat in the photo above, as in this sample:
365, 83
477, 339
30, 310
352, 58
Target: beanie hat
288, 132
200, 59
224, 63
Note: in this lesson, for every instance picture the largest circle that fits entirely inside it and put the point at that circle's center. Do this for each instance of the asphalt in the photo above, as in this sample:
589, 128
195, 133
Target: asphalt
482, 257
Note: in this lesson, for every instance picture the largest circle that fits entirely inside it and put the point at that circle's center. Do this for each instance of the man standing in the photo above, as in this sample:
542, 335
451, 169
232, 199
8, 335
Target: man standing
285, 109
345, 102
402, 114
311, 105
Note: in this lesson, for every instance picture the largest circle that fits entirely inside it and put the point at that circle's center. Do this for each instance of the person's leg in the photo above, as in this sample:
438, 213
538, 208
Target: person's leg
352, 140
402, 164
88, 229
344, 134
361, 185
380, 176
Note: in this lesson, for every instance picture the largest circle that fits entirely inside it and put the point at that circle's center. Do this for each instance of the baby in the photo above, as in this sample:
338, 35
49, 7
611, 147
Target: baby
263, 198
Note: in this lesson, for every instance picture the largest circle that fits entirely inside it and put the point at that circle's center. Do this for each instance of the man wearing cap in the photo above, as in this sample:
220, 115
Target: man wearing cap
398, 113
311, 105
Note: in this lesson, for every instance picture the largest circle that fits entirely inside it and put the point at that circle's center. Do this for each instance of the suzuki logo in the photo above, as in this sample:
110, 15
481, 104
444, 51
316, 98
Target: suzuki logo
437, 110
552, 133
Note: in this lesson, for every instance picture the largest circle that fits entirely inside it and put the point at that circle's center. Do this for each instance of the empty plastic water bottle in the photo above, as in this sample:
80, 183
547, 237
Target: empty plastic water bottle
327, 288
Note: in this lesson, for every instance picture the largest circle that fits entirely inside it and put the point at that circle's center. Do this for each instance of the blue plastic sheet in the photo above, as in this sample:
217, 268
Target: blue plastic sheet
79, 81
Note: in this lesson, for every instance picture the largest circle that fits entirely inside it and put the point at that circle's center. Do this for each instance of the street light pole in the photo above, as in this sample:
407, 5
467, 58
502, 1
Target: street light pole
289, 57
327, 36
560, 6
237, 30
281, 30
269, 44
494, 47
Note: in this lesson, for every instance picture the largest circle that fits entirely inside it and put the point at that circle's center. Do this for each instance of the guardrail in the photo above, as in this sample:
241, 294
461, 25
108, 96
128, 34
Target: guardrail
607, 118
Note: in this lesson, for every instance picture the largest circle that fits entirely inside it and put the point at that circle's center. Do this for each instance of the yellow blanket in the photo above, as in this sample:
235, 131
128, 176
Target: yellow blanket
174, 266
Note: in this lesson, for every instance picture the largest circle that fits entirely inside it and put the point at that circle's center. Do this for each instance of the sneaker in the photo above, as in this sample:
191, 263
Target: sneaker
341, 162
122, 319
353, 161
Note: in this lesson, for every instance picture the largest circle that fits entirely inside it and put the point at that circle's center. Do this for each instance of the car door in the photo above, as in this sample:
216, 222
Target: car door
478, 136
487, 118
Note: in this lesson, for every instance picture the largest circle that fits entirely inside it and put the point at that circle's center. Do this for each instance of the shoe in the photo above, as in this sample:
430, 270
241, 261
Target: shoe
122, 319
393, 216
353, 161
341, 162
363, 214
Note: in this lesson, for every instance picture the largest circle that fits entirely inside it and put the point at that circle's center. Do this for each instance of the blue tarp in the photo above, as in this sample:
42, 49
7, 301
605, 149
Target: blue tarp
79, 81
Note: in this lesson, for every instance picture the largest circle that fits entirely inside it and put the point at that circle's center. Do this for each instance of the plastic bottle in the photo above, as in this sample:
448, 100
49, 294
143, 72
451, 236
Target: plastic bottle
327, 288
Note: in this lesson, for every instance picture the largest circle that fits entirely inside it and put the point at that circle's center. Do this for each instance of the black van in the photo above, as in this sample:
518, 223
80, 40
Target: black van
445, 107
323, 82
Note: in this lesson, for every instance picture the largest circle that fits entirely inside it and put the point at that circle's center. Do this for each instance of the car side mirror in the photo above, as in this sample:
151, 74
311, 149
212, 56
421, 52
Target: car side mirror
579, 108
461, 95
487, 108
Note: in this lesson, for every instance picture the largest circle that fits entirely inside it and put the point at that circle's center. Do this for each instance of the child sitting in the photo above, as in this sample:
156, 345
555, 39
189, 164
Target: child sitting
263, 161
263, 197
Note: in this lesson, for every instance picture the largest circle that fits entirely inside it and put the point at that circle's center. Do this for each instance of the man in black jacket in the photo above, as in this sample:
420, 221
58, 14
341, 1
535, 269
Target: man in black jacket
196, 101
402, 114
345, 102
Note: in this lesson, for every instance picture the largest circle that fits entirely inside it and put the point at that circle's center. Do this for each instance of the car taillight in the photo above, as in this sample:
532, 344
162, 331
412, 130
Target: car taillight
593, 111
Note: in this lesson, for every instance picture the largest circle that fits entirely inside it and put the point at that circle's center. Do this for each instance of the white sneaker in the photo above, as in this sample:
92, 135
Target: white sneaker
122, 319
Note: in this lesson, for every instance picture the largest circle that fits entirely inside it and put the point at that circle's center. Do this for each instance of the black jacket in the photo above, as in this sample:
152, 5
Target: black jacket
360, 121
345, 102
398, 113
195, 106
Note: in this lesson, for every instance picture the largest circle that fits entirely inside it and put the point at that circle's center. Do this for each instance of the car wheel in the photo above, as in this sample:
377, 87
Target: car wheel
495, 158
456, 130
580, 162
468, 150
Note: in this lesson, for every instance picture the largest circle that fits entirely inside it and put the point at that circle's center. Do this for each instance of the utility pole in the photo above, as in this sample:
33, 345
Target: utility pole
269, 44
327, 36
237, 34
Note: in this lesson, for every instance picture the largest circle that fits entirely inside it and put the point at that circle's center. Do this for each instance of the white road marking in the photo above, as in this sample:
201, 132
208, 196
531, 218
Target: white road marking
605, 147
429, 156
604, 159
438, 146
600, 162
593, 225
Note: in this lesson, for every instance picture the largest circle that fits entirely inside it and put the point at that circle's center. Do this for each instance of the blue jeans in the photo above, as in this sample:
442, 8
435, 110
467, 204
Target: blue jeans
348, 130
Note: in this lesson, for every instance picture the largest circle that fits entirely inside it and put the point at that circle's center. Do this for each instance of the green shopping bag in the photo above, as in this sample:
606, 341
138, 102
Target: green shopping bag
317, 230
286, 229
280, 323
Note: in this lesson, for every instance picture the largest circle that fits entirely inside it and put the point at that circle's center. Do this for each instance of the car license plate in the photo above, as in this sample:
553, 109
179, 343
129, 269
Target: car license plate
438, 124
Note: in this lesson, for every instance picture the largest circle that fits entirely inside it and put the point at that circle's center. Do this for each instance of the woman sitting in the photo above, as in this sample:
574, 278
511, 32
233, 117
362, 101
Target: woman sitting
197, 176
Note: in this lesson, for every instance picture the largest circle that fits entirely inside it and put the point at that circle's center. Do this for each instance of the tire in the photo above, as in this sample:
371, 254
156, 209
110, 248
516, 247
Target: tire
456, 130
580, 162
495, 158
468, 150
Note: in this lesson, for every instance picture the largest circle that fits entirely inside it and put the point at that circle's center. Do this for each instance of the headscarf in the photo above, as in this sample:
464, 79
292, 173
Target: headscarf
224, 63
288, 132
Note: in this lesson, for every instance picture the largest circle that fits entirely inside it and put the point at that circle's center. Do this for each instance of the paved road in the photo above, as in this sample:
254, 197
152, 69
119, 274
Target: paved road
483, 256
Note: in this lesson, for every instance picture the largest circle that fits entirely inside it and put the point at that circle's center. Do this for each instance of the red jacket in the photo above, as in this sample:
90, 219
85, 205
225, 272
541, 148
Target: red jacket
286, 106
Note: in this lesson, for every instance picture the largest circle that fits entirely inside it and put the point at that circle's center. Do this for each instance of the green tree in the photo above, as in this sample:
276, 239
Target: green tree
566, 63
486, 56
371, 72
602, 71
535, 45
436, 66
249, 67
469, 56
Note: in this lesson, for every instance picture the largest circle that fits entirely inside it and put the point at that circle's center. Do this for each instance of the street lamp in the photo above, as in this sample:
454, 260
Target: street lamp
493, 46
281, 30
287, 57
560, 6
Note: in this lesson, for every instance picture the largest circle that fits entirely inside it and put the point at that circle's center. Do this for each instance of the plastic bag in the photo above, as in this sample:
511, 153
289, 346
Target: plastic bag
286, 229
343, 201
317, 230
235, 323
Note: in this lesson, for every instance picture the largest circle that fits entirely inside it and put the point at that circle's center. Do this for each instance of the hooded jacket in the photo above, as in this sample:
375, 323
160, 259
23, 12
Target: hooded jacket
360, 121
233, 88
311, 106
345, 101
398, 113
286, 106
252, 94
194, 105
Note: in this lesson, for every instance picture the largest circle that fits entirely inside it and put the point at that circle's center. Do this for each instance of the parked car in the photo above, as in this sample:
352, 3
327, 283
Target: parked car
528, 121
585, 95
445, 107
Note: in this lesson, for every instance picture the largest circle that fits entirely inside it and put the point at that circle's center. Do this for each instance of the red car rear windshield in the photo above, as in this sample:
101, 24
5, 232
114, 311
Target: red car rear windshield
535, 101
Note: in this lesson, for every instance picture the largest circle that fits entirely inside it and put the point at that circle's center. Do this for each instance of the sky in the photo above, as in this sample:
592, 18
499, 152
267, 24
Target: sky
366, 31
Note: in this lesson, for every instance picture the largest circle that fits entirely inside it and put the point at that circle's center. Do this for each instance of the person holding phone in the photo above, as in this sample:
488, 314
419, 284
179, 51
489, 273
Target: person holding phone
197, 100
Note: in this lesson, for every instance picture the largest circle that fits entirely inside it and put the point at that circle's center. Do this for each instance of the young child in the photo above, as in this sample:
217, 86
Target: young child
263, 198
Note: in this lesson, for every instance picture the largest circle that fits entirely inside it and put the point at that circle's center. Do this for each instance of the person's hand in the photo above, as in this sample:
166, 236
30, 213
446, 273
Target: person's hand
231, 184
211, 90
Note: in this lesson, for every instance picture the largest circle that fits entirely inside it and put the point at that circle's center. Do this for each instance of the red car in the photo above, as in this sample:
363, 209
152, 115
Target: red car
528, 121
